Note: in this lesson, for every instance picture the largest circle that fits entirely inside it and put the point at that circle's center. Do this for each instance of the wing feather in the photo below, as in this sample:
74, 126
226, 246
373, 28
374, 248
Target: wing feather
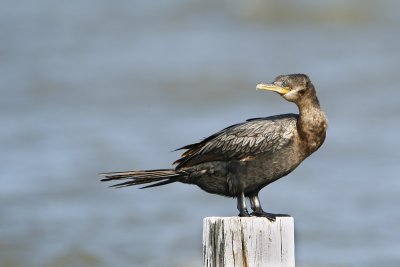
242, 141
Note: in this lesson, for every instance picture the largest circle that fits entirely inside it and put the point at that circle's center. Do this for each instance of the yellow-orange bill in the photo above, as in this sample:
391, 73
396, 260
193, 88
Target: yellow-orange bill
273, 87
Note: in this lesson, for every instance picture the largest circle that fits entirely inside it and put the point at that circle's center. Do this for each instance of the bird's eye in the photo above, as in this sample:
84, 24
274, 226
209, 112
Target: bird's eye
284, 84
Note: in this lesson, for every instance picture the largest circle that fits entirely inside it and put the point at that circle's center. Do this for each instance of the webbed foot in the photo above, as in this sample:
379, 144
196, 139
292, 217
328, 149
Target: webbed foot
261, 213
269, 216
244, 213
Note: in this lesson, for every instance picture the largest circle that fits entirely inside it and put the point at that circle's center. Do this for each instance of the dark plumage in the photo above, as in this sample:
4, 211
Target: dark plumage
241, 159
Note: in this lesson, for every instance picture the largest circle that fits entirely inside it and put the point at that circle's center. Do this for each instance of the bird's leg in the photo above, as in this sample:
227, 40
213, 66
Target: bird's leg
241, 205
258, 211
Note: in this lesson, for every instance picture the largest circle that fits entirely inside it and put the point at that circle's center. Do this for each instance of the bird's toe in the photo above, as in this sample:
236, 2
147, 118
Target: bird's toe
244, 213
269, 216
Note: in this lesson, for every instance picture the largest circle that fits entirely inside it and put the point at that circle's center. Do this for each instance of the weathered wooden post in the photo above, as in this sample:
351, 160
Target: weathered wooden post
250, 242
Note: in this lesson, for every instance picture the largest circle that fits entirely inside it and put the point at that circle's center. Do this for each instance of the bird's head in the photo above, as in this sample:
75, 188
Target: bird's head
292, 87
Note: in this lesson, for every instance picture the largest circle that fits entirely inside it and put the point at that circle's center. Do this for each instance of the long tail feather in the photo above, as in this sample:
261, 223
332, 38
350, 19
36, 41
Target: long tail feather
152, 177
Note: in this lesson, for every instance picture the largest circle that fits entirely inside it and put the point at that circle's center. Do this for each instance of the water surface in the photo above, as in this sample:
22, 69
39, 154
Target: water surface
92, 86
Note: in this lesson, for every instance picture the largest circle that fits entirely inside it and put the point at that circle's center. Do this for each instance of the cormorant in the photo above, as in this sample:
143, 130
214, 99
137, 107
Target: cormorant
241, 159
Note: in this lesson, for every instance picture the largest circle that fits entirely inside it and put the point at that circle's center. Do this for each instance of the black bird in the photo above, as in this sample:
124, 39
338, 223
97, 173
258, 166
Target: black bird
241, 159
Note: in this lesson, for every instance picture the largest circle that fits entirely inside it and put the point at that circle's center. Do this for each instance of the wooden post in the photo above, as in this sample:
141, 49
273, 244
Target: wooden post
250, 242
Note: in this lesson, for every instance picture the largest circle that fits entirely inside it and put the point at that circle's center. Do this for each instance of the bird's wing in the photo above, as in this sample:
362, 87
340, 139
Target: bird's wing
241, 141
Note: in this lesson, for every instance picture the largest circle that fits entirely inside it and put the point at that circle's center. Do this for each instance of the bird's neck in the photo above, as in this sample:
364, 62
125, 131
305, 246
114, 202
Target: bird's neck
312, 124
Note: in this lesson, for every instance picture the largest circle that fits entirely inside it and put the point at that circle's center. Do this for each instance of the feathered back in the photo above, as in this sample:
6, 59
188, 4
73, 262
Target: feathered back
241, 141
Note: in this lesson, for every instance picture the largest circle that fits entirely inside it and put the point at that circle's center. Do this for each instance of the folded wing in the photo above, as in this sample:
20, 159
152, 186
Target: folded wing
241, 141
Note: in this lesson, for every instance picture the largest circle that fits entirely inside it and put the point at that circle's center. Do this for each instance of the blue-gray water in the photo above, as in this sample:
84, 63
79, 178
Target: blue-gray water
94, 86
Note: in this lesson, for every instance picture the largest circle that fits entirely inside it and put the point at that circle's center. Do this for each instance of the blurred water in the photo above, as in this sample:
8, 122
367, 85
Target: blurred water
104, 86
